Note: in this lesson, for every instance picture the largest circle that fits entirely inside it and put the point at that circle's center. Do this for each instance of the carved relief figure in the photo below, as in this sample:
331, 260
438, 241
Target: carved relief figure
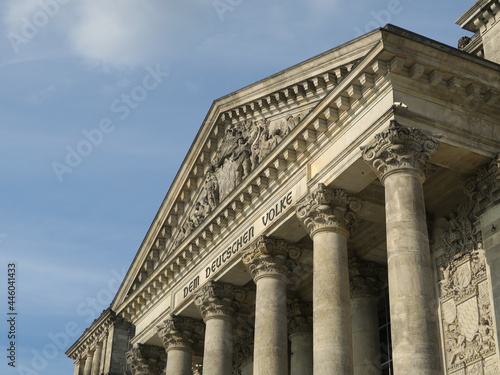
242, 148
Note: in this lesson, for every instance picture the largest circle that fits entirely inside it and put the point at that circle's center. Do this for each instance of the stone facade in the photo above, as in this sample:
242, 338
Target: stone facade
339, 218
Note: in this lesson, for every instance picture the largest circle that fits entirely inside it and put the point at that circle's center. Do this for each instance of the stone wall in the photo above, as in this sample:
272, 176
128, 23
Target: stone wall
466, 308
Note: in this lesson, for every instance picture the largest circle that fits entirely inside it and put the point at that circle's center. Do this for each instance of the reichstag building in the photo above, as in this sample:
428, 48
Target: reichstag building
341, 217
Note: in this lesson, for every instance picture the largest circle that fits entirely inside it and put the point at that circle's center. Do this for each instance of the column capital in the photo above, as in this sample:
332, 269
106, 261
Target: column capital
242, 353
219, 300
366, 278
328, 209
400, 148
179, 332
483, 187
146, 359
271, 257
299, 317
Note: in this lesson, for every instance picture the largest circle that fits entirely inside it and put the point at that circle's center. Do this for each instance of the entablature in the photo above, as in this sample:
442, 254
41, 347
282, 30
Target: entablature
92, 335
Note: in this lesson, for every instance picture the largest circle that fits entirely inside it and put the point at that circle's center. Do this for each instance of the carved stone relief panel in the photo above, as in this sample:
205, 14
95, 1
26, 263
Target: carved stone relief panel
242, 148
464, 289
466, 316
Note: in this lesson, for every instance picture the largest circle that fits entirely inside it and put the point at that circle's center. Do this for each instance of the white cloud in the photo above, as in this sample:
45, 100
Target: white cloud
119, 35
106, 33
16, 11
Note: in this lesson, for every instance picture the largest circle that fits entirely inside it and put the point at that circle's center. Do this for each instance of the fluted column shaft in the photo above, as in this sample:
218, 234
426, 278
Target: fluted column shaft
88, 364
270, 265
328, 214
399, 156
76, 370
217, 304
96, 360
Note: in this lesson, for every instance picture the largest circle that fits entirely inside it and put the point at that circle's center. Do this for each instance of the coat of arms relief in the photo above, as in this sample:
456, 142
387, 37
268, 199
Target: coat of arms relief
464, 289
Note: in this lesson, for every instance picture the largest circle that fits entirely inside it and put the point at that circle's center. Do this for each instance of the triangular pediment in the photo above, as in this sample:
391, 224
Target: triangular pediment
246, 139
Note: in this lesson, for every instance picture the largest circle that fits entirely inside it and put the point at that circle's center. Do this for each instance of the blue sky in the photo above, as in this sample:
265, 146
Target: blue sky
99, 103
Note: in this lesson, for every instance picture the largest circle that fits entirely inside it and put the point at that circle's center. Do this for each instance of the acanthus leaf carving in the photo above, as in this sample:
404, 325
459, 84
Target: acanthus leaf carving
180, 332
242, 353
146, 359
271, 256
327, 208
366, 278
400, 147
217, 299
299, 317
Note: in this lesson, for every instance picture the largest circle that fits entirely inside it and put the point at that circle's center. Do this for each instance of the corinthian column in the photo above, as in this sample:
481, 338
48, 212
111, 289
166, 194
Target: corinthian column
78, 367
96, 360
398, 156
146, 360
366, 278
180, 335
300, 334
270, 263
88, 363
218, 305
328, 215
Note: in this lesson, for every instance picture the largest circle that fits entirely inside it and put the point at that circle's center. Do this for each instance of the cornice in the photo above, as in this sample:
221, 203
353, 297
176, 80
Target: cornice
478, 14
98, 327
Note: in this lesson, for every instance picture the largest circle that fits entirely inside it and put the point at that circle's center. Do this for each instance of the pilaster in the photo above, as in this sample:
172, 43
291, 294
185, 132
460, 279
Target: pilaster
243, 356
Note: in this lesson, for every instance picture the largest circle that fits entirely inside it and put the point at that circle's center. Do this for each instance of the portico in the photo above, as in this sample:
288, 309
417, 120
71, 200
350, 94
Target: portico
307, 201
